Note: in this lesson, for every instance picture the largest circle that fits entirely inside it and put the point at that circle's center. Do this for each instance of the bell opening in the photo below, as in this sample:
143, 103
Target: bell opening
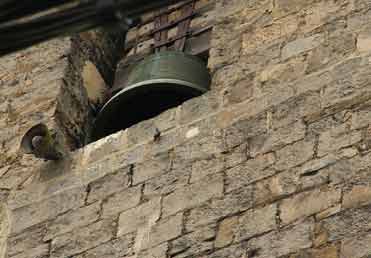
138, 105
162, 81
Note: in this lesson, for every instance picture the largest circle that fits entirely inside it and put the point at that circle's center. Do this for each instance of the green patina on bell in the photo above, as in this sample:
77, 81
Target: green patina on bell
159, 82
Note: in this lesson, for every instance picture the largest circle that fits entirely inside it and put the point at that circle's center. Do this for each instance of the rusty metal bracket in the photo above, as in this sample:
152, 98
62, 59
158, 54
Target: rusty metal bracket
160, 35
183, 28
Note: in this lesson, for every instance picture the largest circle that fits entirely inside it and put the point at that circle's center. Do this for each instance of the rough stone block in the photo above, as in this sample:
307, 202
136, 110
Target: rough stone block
295, 154
139, 216
202, 168
255, 222
308, 203
72, 220
358, 196
194, 243
157, 166
163, 230
164, 184
286, 241
226, 231
193, 195
159, 251
260, 37
19, 244
109, 185
118, 247
33, 214
41, 251
357, 247
250, 171
236, 201
100, 149
82, 239
301, 45
121, 201
347, 224
277, 139
294, 110
337, 138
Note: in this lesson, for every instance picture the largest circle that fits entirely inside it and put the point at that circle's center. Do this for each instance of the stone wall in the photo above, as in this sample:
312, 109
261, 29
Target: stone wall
44, 84
274, 161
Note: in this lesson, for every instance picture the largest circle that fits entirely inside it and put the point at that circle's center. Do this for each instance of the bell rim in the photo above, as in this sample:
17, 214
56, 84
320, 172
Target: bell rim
135, 87
178, 83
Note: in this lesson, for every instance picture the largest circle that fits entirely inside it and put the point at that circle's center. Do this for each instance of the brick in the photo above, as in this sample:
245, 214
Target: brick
112, 183
162, 231
197, 108
118, 247
193, 243
164, 184
236, 156
192, 196
121, 201
236, 201
288, 240
329, 212
151, 168
301, 107
72, 220
284, 7
261, 37
324, 252
33, 214
276, 187
131, 220
337, 138
82, 239
295, 154
206, 167
117, 161
282, 73
226, 232
159, 251
347, 224
19, 244
308, 203
100, 149
240, 131
277, 139
356, 247
41, 251
358, 196
301, 45
364, 40
251, 171
255, 222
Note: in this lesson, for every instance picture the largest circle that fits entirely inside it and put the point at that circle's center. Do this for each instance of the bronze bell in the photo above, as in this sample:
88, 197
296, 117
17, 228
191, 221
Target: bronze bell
159, 82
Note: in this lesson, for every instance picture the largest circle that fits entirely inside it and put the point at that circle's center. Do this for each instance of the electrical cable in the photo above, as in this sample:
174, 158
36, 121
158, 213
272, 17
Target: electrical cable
21, 9
17, 33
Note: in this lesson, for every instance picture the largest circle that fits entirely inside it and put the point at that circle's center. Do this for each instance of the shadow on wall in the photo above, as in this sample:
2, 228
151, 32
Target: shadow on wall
92, 63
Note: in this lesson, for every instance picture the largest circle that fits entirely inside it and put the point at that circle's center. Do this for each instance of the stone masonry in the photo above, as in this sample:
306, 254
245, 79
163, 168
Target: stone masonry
273, 162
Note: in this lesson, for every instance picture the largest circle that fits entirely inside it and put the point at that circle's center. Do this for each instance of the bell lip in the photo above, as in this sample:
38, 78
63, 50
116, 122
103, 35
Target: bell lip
39, 129
154, 82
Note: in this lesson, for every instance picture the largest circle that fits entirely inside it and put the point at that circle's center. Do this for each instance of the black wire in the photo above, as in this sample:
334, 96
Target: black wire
17, 10
15, 37
87, 15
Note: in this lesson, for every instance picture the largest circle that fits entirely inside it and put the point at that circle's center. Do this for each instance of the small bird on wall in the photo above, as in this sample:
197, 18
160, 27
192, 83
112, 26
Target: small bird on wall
42, 143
